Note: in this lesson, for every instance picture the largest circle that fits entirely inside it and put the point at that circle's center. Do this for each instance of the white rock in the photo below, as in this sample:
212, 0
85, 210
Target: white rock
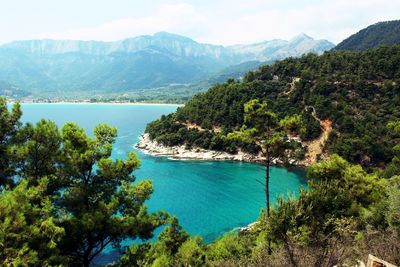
152, 147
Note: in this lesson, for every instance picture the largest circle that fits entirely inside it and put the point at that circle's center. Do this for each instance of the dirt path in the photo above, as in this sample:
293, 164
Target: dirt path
292, 86
189, 125
316, 146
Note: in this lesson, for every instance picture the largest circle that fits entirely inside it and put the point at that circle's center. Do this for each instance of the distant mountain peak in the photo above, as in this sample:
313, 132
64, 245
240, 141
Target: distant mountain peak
300, 38
173, 36
168, 34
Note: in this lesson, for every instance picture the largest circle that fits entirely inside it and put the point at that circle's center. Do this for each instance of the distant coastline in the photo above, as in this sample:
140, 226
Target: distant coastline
100, 103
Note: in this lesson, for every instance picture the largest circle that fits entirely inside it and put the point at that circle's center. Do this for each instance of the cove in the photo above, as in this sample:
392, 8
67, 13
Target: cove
208, 197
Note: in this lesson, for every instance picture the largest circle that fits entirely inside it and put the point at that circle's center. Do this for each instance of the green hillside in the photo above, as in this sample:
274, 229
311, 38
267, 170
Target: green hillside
382, 33
358, 91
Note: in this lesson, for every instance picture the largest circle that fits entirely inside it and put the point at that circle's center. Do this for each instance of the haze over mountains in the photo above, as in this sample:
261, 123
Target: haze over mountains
51, 66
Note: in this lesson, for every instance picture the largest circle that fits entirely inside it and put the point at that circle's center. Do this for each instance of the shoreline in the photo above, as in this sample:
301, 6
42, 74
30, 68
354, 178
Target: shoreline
95, 103
153, 148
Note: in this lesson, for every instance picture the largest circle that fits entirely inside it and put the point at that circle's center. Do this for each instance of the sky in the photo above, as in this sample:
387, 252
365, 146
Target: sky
224, 22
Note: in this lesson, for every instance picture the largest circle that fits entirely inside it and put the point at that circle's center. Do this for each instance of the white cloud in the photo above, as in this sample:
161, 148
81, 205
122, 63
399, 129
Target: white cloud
332, 20
166, 17
235, 21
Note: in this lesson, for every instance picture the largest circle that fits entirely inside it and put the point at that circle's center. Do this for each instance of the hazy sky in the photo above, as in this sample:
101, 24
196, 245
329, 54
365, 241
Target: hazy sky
212, 21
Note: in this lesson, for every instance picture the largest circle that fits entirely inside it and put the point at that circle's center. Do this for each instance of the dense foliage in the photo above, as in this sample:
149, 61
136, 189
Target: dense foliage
62, 198
67, 200
382, 33
9, 127
355, 90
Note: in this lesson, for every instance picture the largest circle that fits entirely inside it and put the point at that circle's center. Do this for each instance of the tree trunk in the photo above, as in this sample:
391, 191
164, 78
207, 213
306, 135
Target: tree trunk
290, 253
86, 262
267, 208
86, 255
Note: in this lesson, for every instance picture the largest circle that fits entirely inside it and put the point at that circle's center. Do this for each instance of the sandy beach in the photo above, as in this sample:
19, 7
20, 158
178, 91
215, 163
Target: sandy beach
97, 103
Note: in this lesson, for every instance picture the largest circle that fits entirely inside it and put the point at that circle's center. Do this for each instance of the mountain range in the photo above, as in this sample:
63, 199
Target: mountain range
57, 67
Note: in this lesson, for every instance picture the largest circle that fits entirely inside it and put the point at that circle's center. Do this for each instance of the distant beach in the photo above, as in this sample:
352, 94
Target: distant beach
101, 103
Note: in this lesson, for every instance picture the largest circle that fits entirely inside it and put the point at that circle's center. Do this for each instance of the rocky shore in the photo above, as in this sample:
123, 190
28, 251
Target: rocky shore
153, 148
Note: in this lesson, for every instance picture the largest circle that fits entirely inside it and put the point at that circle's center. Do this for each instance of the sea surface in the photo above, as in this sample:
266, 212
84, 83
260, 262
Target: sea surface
208, 197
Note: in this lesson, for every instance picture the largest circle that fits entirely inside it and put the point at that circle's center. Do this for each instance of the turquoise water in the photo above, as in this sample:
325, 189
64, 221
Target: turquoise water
209, 198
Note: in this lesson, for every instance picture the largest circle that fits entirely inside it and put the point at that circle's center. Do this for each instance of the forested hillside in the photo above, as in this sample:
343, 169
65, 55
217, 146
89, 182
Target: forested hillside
382, 33
358, 91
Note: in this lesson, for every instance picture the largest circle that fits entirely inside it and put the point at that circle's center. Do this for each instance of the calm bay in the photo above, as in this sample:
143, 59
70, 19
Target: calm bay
209, 197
